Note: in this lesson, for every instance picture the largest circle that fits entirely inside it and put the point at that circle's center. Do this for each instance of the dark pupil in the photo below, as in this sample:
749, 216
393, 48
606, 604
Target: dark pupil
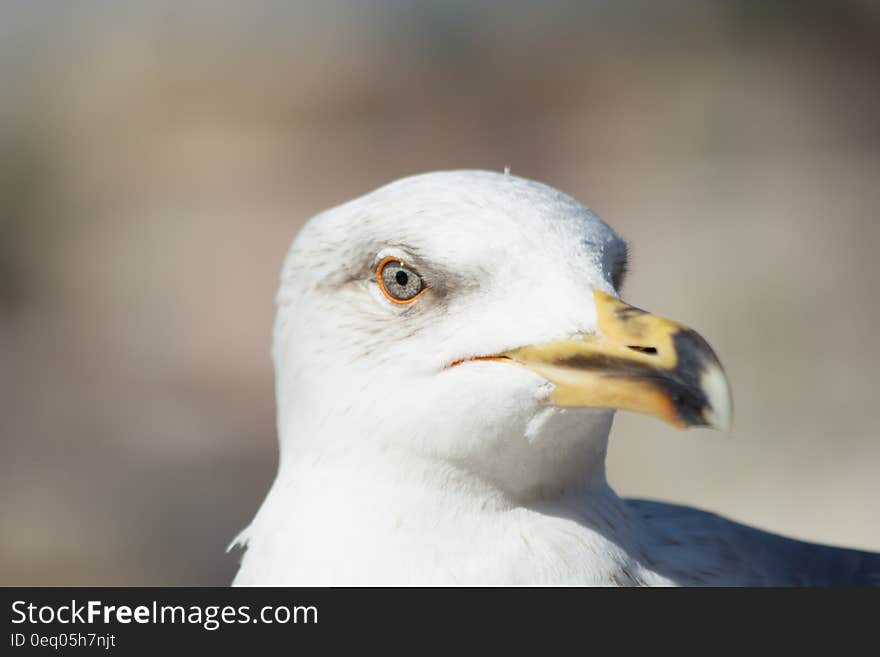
401, 278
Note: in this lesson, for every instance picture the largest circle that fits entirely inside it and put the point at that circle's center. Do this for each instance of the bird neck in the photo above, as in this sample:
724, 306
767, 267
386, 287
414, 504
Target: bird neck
344, 510
394, 518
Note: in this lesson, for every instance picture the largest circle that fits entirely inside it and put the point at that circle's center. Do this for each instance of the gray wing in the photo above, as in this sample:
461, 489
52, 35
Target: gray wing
695, 547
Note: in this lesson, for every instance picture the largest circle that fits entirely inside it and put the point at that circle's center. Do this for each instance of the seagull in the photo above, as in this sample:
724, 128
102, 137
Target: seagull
449, 353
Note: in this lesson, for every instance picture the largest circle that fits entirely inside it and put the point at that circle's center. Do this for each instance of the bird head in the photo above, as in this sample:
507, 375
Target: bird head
474, 317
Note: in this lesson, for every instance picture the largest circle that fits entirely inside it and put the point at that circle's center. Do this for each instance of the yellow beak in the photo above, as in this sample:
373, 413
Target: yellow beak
636, 362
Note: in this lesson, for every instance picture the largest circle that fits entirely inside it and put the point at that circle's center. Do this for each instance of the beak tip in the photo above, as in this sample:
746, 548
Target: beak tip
719, 412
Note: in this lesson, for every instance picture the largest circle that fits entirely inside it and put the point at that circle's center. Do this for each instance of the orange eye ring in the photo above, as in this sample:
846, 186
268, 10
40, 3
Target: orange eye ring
380, 268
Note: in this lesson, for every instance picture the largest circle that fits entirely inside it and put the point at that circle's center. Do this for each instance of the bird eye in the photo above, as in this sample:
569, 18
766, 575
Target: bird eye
398, 281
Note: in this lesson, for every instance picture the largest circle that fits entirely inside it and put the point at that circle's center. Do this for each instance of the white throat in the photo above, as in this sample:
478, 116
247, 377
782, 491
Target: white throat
342, 512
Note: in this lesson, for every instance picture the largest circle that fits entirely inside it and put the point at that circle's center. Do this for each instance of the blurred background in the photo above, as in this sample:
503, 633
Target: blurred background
158, 157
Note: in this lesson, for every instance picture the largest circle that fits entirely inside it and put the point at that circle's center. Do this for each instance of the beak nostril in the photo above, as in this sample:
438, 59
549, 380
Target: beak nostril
645, 350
